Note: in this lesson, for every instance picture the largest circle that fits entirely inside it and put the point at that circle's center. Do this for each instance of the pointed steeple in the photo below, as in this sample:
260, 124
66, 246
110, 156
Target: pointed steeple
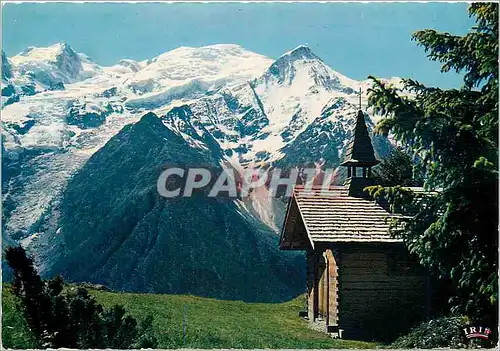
359, 155
360, 150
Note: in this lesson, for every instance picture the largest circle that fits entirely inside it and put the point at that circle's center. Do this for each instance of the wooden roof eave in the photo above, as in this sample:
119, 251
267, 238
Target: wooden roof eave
283, 228
287, 216
305, 224
328, 239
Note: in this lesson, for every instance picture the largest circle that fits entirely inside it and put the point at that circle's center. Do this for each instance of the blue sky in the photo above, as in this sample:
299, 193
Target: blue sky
356, 39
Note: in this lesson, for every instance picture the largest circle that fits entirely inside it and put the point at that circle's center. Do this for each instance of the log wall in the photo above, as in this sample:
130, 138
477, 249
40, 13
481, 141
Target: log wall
382, 292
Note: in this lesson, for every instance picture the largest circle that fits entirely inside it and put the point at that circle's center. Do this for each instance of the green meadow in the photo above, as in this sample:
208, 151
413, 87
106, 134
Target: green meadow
209, 323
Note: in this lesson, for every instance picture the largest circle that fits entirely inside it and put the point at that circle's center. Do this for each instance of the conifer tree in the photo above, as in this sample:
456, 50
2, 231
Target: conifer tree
72, 319
454, 133
397, 168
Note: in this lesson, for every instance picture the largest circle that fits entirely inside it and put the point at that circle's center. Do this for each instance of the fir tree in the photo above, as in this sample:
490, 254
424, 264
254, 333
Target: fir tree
73, 319
454, 133
397, 169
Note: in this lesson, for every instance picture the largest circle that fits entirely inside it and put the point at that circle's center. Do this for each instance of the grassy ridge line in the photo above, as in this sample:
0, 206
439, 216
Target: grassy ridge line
210, 323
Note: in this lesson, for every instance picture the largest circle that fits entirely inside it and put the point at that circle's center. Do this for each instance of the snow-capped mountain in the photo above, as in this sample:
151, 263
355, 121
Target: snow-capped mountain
190, 70
59, 108
39, 69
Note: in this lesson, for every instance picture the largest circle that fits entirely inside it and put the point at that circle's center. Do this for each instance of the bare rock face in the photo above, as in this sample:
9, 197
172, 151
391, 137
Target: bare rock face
68, 62
6, 67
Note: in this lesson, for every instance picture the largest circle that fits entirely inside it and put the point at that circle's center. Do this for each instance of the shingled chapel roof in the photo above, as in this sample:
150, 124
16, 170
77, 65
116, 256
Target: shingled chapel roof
338, 214
359, 150
334, 216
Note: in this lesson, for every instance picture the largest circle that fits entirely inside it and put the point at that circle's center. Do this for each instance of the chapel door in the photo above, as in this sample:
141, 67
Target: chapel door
331, 289
322, 287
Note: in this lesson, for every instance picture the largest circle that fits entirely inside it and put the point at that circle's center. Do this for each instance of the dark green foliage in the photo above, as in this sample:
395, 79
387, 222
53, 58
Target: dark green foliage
28, 284
73, 319
442, 332
454, 134
147, 337
120, 330
397, 169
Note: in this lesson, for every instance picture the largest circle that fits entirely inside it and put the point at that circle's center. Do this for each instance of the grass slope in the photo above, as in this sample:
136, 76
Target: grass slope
15, 332
210, 323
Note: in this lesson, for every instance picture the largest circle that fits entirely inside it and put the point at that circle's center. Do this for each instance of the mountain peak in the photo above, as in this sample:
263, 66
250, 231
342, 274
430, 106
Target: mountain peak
50, 65
150, 117
49, 53
301, 52
224, 47
285, 68
64, 47
210, 52
288, 59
